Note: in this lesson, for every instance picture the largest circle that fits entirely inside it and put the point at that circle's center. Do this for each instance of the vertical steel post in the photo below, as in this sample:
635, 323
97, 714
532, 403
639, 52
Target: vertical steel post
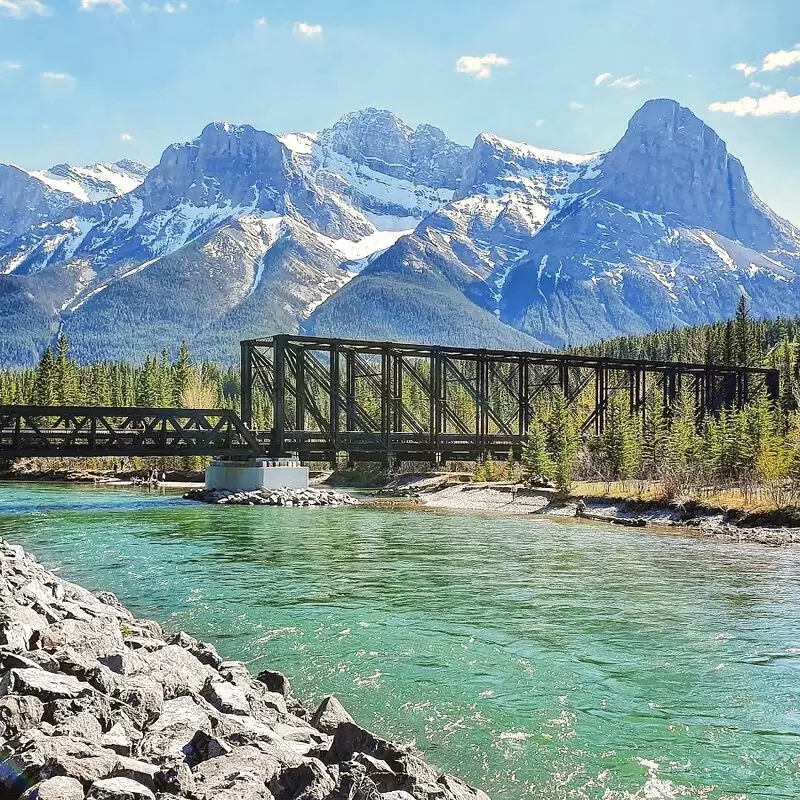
333, 405
246, 375
279, 398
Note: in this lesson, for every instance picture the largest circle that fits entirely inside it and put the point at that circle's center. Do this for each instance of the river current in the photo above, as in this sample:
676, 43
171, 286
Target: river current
534, 658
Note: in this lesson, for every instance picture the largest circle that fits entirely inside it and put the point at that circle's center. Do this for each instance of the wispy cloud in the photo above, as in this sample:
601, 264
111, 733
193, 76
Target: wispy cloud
627, 82
167, 8
126, 137
10, 66
781, 59
539, 123
769, 106
575, 105
623, 82
307, 30
261, 22
58, 77
480, 67
20, 9
115, 5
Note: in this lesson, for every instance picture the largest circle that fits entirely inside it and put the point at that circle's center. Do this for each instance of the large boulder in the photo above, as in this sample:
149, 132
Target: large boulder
41, 757
94, 639
58, 788
227, 698
330, 715
119, 789
169, 736
47, 686
242, 774
19, 713
177, 670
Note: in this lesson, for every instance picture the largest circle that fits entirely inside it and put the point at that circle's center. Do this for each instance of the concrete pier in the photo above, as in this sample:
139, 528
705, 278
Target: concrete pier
256, 473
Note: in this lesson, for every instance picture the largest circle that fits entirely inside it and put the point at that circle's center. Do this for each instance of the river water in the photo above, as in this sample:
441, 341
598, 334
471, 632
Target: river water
532, 657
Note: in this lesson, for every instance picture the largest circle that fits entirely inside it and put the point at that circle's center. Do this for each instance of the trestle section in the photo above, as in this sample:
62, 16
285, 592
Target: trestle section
70, 431
323, 399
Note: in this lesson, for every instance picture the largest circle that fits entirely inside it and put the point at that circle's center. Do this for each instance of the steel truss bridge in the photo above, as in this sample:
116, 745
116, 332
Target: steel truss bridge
411, 402
320, 398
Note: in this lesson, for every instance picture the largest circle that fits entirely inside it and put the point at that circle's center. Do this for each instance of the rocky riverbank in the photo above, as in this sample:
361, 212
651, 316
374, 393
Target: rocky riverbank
776, 529
98, 705
272, 497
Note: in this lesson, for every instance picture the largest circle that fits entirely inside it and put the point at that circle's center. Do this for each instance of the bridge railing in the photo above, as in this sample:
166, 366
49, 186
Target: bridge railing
66, 431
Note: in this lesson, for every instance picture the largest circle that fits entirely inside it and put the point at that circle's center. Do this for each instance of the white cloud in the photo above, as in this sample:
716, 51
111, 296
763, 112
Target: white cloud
20, 9
126, 137
261, 22
768, 106
781, 59
307, 30
746, 69
480, 66
10, 66
575, 105
116, 5
627, 82
167, 8
58, 77
539, 123
602, 78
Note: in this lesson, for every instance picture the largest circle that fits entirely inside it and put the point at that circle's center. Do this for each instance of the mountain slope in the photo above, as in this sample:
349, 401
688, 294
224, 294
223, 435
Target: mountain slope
372, 228
667, 232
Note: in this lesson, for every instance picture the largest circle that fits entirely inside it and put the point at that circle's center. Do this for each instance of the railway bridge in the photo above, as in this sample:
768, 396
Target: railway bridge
318, 399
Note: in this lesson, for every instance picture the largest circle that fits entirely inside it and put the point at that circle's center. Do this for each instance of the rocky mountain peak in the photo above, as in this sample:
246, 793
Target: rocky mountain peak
382, 142
670, 162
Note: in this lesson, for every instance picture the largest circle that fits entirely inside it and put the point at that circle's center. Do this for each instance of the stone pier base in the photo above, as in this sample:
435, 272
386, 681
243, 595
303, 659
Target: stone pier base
256, 473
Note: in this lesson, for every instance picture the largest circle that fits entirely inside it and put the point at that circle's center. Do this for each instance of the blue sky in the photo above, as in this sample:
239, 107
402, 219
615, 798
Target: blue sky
90, 80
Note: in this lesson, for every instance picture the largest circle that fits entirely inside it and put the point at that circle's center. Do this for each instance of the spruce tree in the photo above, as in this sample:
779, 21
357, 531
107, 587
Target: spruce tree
536, 461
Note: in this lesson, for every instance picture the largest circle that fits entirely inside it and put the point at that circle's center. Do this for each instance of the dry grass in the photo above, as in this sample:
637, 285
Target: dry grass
728, 498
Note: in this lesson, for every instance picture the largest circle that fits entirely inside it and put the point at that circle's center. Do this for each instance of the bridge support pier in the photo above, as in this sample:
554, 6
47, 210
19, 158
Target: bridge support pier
249, 475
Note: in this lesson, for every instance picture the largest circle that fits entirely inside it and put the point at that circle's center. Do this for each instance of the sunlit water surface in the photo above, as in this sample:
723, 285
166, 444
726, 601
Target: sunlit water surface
534, 658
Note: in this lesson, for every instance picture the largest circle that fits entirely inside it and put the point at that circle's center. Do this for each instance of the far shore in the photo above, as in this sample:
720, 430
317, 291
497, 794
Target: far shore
457, 493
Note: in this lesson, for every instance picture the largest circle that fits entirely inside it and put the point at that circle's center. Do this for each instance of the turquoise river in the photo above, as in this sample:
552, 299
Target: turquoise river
535, 658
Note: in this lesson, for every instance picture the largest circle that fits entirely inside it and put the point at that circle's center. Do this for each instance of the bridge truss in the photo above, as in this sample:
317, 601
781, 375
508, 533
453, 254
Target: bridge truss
69, 431
395, 401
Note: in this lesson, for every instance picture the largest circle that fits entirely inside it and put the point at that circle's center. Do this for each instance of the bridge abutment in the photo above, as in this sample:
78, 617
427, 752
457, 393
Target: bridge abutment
248, 475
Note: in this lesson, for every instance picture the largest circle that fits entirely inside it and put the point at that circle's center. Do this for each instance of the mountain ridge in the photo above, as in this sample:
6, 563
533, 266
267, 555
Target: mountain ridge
373, 228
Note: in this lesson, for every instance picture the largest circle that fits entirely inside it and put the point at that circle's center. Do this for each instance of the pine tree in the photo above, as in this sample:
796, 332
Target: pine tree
46, 391
744, 341
654, 436
181, 374
621, 441
563, 437
536, 461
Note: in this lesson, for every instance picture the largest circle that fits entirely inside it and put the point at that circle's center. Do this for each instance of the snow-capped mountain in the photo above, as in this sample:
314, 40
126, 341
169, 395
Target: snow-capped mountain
372, 228
28, 198
662, 230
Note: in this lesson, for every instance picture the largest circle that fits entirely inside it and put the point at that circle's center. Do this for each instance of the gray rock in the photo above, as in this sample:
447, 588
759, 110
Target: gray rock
168, 737
330, 715
177, 670
58, 788
99, 637
143, 699
19, 713
309, 781
83, 725
276, 682
176, 779
239, 775
117, 739
47, 686
119, 789
203, 652
43, 757
140, 771
227, 698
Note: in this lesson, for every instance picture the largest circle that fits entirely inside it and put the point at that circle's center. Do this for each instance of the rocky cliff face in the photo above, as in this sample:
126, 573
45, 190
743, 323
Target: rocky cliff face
373, 228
